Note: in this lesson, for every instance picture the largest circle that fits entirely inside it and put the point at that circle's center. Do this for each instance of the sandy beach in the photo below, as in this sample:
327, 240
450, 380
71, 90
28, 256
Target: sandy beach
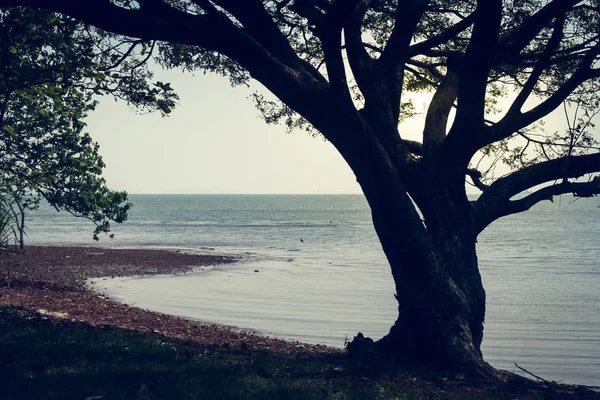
51, 280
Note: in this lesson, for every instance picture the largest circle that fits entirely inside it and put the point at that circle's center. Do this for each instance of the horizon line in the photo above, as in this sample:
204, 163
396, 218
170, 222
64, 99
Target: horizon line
244, 194
253, 194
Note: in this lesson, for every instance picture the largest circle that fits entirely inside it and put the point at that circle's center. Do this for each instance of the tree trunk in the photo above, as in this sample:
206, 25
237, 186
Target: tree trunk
441, 300
22, 230
20, 222
440, 316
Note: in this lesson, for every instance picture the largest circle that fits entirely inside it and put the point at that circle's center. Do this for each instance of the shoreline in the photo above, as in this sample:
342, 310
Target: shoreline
51, 280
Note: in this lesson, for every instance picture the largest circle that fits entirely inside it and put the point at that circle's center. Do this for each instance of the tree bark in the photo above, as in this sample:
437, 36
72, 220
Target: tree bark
21, 225
441, 300
22, 230
440, 320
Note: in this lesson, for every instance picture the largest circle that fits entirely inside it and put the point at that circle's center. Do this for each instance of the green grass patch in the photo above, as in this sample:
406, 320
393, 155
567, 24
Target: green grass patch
42, 358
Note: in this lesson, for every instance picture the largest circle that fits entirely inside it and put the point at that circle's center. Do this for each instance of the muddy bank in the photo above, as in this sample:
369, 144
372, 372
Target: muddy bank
51, 281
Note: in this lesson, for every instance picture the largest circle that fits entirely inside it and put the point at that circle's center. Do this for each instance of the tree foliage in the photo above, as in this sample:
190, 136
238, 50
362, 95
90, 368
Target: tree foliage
51, 72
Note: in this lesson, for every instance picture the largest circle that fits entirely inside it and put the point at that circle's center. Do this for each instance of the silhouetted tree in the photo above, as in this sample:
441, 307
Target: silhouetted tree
343, 68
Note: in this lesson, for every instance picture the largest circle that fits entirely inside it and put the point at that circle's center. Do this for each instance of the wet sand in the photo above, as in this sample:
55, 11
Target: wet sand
51, 281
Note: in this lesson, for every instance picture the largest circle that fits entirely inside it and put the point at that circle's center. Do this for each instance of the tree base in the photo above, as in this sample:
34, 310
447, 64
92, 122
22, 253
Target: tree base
363, 348
386, 350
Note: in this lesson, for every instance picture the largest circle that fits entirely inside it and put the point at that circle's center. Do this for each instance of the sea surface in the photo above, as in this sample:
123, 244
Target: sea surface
313, 270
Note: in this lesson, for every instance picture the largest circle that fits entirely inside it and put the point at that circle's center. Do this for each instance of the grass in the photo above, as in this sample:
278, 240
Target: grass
42, 358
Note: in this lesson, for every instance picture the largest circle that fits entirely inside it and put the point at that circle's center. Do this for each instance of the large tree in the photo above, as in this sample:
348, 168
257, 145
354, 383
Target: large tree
52, 68
343, 68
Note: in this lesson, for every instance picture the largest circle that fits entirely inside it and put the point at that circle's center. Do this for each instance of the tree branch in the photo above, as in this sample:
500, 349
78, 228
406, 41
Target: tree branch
513, 122
528, 177
328, 27
444, 37
476, 176
516, 40
123, 57
359, 59
414, 147
439, 109
168, 25
259, 24
389, 67
578, 189
408, 14
431, 67
495, 201
336, 72
294, 81
478, 61
539, 67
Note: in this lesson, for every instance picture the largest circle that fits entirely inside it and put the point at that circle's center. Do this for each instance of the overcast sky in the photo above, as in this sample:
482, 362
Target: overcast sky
215, 142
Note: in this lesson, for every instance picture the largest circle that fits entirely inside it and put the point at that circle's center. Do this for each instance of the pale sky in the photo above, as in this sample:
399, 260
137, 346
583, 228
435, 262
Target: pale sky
215, 142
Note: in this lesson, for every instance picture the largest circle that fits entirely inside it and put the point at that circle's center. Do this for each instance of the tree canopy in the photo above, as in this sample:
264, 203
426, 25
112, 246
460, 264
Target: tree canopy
355, 52
53, 68
344, 69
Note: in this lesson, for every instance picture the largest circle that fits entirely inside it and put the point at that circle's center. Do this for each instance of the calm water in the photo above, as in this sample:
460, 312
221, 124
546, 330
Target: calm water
323, 277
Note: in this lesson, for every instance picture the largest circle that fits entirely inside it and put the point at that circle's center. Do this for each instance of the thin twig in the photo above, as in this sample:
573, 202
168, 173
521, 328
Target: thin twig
535, 376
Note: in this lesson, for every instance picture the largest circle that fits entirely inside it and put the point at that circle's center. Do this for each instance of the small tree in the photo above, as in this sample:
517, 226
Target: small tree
344, 67
8, 234
14, 205
51, 69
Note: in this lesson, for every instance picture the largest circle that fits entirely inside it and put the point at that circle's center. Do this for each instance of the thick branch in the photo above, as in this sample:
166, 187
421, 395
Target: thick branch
540, 66
516, 40
414, 147
328, 28
143, 23
294, 81
496, 198
439, 109
431, 67
478, 61
528, 177
513, 122
336, 72
444, 37
359, 59
476, 176
578, 189
378, 110
408, 14
389, 67
259, 24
